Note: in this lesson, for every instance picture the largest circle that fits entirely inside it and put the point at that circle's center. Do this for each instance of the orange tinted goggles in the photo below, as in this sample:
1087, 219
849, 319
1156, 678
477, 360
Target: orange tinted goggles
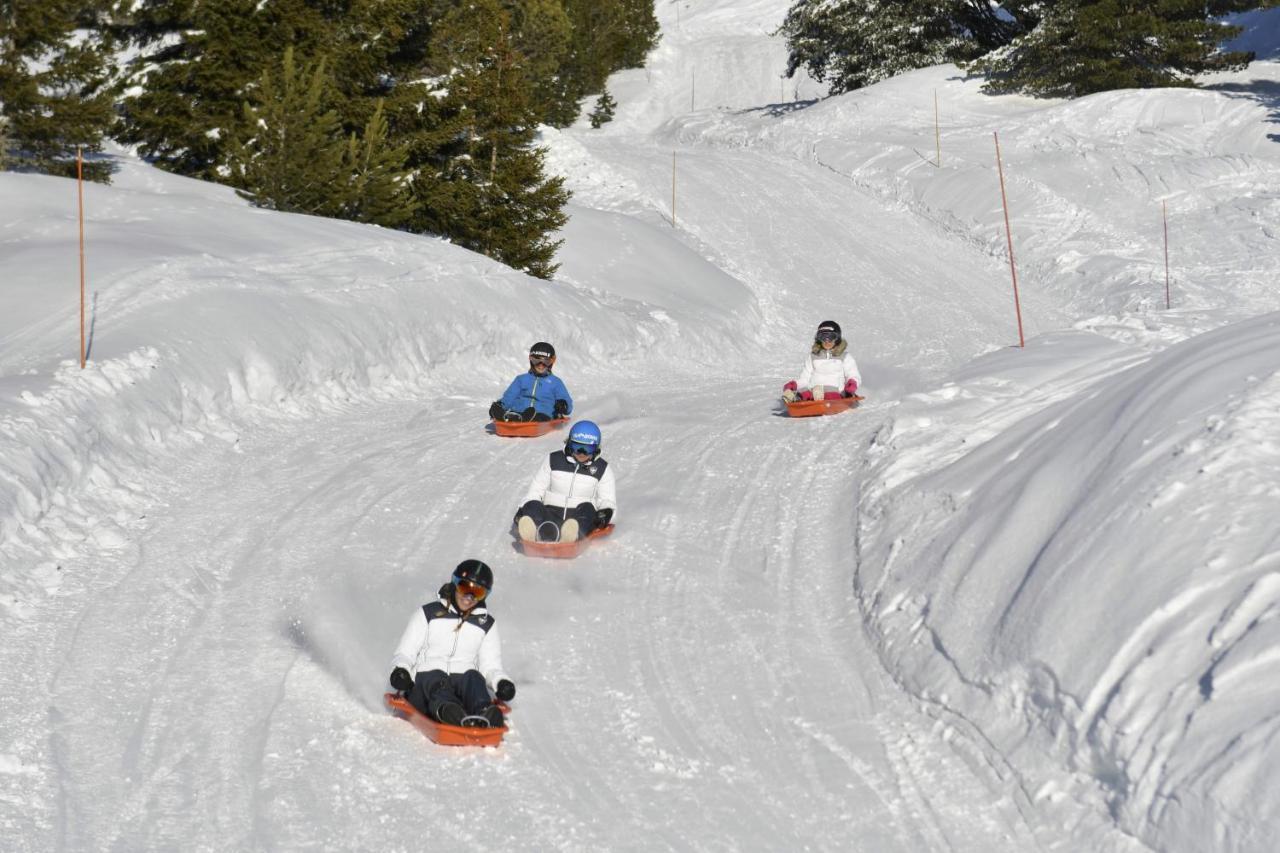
471, 588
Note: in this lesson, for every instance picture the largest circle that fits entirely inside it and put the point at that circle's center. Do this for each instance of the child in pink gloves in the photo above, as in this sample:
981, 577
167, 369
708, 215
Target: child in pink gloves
829, 371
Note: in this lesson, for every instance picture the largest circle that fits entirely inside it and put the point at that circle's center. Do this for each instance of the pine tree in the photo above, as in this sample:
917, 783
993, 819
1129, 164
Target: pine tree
598, 30
458, 87
481, 180
198, 58
292, 159
854, 43
607, 36
603, 112
53, 83
640, 28
380, 190
296, 159
1086, 46
541, 32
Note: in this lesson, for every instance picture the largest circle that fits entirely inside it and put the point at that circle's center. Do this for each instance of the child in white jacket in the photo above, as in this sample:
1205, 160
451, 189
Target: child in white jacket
573, 492
450, 655
829, 371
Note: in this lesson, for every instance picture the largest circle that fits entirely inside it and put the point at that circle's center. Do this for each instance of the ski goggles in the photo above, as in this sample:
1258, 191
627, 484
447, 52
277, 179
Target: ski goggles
826, 335
582, 448
471, 588
540, 359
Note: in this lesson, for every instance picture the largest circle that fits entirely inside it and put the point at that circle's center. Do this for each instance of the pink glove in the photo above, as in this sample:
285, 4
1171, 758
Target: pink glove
790, 386
851, 387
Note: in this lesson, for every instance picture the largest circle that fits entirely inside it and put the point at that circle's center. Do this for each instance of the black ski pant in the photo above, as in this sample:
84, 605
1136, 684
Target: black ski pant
529, 414
435, 687
557, 515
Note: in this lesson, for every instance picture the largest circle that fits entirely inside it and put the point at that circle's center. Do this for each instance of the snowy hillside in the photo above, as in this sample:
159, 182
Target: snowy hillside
1021, 599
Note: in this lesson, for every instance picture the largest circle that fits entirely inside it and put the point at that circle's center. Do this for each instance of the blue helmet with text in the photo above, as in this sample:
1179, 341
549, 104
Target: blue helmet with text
584, 437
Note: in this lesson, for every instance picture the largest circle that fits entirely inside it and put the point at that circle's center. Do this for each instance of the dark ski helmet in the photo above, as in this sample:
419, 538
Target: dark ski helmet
827, 328
542, 349
476, 572
584, 435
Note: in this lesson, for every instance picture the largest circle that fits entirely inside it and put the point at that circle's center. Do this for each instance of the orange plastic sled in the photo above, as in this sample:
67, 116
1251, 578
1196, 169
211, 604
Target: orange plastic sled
440, 733
527, 429
814, 408
563, 550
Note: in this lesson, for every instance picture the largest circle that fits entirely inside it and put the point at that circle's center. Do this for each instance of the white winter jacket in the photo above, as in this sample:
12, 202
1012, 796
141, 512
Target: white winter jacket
832, 368
438, 637
562, 482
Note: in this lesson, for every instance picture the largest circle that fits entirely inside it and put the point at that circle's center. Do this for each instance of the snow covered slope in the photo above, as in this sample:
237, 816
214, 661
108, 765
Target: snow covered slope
1021, 599
1088, 564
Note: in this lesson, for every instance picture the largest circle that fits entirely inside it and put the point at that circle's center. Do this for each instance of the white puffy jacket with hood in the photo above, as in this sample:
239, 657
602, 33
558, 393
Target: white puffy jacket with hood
832, 368
439, 636
563, 482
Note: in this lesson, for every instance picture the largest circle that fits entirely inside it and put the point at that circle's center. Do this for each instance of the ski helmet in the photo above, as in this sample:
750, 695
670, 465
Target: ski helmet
829, 327
542, 349
584, 435
476, 572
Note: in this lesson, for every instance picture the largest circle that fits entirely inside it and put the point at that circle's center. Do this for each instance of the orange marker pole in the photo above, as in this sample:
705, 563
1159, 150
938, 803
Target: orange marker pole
1164, 214
80, 196
1013, 267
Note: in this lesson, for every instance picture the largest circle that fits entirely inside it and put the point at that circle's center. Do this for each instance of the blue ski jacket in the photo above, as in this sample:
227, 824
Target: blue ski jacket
541, 392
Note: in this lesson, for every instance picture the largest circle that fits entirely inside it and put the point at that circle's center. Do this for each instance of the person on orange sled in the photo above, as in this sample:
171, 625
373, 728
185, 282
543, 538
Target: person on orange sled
536, 395
829, 371
573, 492
450, 654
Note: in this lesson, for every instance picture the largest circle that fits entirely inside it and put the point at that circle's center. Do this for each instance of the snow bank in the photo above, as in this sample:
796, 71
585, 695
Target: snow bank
1088, 565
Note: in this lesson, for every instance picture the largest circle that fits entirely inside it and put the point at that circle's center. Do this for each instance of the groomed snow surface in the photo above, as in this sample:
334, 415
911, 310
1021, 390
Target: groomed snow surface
1022, 599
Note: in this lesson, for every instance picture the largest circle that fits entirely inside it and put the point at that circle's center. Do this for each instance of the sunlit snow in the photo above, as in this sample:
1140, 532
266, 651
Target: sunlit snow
1021, 599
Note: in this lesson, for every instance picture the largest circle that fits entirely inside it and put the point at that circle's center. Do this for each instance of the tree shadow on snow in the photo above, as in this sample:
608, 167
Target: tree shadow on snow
1266, 92
780, 109
93, 326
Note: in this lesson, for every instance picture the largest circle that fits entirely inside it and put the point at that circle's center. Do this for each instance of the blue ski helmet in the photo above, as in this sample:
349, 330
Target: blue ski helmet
585, 436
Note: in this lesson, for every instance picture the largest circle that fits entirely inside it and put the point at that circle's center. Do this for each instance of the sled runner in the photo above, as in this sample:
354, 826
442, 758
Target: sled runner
814, 408
441, 733
527, 429
562, 550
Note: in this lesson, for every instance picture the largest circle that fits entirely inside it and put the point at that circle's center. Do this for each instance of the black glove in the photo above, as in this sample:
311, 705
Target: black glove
401, 679
496, 411
603, 517
561, 408
506, 691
